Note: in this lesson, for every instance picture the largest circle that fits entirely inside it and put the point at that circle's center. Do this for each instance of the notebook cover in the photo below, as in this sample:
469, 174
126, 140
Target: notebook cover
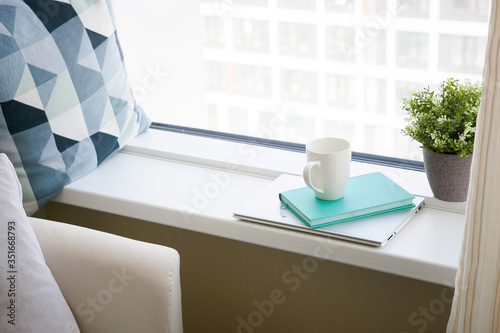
366, 195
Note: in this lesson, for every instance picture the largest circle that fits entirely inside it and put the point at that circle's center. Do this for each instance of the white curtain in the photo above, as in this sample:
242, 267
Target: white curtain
476, 305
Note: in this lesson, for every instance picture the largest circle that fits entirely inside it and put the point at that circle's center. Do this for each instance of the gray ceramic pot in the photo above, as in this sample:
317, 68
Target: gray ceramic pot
448, 175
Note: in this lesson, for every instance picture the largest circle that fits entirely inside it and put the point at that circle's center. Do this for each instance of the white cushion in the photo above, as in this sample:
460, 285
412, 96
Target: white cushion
31, 300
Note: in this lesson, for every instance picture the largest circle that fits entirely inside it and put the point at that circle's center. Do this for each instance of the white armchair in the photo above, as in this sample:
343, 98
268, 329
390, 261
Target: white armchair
111, 283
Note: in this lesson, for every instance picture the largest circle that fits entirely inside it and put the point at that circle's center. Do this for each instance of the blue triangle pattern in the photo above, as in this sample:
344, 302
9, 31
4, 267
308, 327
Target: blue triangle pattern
45, 181
68, 39
45, 91
105, 145
21, 117
69, 155
96, 39
63, 143
92, 107
100, 53
52, 14
8, 17
50, 155
33, 142
9, 46
40, 76
121, 117
11, 71
86, 81
86, 55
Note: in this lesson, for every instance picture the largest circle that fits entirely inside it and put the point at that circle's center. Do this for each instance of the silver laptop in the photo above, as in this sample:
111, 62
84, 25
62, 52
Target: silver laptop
265, 207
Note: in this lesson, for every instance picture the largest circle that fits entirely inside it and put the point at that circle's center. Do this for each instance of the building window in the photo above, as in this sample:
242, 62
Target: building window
323, 67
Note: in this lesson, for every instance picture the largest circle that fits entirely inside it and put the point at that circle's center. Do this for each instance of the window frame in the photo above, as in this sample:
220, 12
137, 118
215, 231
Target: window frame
289, 146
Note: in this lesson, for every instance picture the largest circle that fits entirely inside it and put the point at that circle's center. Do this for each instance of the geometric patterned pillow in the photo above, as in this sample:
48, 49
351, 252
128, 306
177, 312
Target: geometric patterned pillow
65, 101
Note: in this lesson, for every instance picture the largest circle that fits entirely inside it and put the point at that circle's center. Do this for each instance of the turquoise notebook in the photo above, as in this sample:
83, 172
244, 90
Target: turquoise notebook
366, 195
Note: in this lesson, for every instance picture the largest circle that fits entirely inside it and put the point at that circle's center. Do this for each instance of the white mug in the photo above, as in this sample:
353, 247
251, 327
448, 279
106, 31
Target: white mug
328, 167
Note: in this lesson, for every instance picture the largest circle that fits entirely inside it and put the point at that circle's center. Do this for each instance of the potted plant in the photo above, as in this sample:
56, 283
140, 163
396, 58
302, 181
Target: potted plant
444, 122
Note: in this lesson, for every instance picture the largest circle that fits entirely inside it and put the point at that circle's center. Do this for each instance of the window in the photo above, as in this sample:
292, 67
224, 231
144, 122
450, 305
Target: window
321, 67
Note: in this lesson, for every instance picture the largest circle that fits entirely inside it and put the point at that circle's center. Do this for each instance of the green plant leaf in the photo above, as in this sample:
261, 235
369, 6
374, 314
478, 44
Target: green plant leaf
444, 121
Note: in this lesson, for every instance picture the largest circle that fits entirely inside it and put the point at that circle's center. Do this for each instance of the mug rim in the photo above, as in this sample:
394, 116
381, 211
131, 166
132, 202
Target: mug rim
310, 144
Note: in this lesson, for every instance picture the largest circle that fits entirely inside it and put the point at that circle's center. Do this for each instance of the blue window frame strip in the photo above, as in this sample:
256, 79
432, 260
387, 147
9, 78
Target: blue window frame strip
290, 146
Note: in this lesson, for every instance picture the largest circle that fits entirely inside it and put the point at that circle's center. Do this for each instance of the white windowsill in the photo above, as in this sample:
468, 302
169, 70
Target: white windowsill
194, 183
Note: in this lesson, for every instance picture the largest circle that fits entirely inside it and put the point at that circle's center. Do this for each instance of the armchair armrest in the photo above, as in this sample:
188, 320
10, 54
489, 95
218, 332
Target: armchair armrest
112, 283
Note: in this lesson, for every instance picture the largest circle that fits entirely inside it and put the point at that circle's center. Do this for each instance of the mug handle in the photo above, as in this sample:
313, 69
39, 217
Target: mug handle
307, 175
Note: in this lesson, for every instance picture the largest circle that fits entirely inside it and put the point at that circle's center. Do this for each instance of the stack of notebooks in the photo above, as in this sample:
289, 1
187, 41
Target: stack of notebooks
372, 211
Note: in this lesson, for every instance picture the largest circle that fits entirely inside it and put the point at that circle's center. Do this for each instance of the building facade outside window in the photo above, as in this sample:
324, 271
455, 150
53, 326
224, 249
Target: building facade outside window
309, 68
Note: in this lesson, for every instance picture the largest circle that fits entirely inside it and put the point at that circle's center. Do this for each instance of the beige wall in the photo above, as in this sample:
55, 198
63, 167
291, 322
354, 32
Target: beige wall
230, 286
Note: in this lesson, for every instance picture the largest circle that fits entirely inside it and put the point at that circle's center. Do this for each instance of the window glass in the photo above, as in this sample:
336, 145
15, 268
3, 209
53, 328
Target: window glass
251, 36
294, 70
